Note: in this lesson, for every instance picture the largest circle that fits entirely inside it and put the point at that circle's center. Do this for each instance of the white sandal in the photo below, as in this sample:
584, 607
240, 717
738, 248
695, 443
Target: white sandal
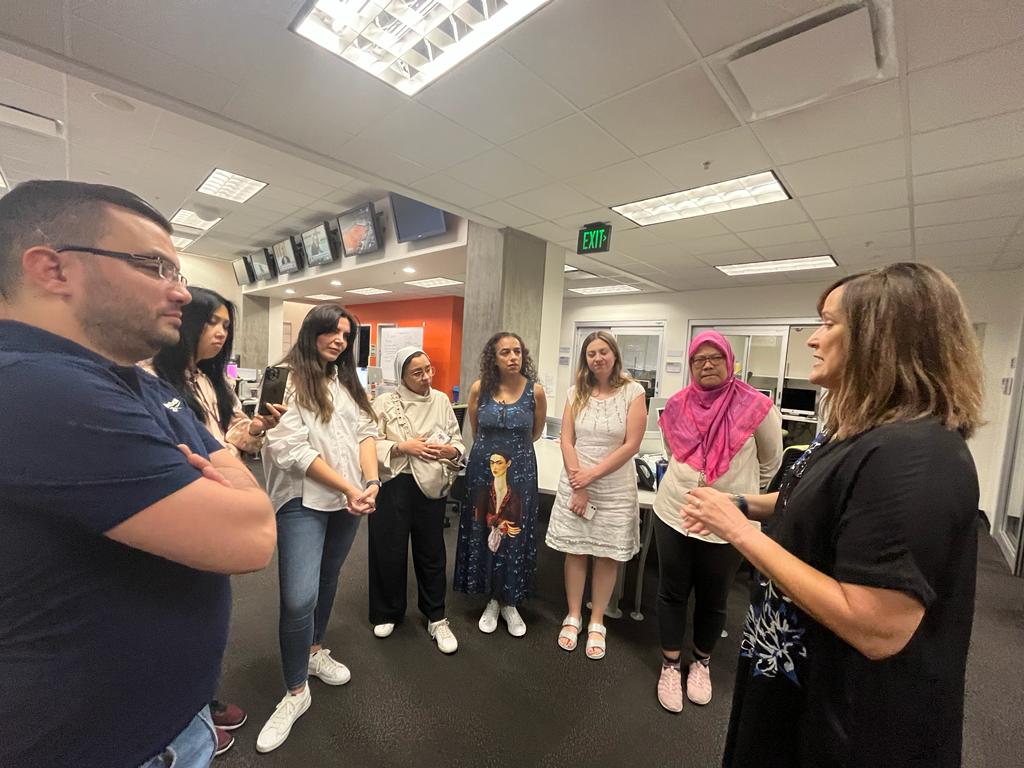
567, 634
599, 644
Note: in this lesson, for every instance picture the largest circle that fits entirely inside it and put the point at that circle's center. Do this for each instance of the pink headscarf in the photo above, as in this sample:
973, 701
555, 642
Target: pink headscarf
705, 428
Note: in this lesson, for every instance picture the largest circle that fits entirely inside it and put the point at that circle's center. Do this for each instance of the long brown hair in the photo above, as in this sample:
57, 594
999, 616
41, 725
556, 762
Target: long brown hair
489, 375
310, 374
585, 379
910, 352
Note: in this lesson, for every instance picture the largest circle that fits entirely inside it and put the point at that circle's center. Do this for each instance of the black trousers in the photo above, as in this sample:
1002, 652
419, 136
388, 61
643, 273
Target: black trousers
403, 512
687, 564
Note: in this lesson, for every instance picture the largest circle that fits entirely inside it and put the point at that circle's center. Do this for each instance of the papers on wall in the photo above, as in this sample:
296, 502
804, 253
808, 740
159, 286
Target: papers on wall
390, 341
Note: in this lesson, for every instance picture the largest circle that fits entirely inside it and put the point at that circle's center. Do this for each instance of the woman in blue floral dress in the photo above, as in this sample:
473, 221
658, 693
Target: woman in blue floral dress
497, 551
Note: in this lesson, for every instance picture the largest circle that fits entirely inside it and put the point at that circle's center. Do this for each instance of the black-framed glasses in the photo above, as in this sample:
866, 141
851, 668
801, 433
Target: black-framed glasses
154, 265
699, 360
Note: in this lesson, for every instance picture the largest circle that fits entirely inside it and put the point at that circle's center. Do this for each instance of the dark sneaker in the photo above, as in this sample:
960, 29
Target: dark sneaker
227, 716
225, 741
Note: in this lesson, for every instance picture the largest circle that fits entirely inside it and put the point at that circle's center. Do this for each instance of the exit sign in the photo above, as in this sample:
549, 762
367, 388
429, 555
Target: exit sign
594, 238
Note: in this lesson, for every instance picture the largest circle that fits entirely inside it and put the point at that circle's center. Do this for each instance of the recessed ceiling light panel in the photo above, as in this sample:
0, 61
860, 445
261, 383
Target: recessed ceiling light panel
744, 192
188, 218
779, 265
409, 43
180, 241
433, 282
600, 290
368, 291
570, 268
230, 186
323, 297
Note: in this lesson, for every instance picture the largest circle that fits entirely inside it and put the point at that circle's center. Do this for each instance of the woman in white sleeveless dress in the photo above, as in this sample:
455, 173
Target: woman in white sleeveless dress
596, 512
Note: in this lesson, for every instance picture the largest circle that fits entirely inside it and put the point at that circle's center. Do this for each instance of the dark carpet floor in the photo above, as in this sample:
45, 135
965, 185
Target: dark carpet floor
504, 701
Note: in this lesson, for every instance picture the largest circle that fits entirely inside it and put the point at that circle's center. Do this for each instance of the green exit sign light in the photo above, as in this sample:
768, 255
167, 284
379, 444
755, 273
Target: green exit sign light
594, 238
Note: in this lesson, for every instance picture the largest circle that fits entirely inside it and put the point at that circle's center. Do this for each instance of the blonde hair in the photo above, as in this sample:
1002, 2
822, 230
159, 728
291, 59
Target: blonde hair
585, 381
911, 352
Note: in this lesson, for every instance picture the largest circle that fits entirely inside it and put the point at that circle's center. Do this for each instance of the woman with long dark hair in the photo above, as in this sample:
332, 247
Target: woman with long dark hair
855, 646
321, 465
196, 367
497, 550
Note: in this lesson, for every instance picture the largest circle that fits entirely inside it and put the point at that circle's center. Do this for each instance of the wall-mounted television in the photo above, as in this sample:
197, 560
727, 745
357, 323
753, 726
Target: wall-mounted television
359, 231
415, 220
243, 272
318, 246
262, 264
287, 258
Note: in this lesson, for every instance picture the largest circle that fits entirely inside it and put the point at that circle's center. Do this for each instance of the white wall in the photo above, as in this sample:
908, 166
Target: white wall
993, 298
215, 274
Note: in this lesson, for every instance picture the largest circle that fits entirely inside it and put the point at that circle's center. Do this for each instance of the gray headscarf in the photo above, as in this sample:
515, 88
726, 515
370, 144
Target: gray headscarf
401, 357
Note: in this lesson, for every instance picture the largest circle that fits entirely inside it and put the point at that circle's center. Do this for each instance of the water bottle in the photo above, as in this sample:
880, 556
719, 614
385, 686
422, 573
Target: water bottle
455, 394
660, 467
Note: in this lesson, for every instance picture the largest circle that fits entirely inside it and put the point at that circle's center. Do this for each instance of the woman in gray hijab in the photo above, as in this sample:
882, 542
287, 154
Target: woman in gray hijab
419, 448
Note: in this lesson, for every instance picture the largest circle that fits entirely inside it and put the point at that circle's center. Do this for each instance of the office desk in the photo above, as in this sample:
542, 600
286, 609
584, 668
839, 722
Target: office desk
549, 471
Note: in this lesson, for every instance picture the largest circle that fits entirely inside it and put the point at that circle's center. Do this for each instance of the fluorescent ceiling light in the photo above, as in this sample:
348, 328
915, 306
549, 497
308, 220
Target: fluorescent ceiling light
597, 290
758, 189
570, 268
335, 282
323, 297
433, 282
192, 219
180, 241
289, 290
368, 291
781, 265
409, 43
409, 270
230, 186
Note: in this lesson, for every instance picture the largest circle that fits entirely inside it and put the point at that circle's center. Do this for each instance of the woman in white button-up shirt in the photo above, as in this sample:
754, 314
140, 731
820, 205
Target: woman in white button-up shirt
321, 467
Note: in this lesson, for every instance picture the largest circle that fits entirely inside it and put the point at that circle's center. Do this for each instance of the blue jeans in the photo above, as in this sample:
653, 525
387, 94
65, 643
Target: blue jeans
311, 547
192, 748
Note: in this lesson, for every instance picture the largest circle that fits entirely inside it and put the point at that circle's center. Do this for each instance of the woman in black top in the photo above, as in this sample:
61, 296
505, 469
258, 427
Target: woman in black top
855, 646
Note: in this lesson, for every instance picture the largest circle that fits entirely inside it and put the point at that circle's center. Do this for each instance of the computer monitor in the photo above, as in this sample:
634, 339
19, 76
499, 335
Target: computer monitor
364, 378
286, 257
769, 393
248, 374
318, 246
358, 230
262, 264
799, 401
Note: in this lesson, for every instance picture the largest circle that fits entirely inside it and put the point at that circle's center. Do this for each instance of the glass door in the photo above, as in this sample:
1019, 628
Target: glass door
1008, 529
760, 352
640, 347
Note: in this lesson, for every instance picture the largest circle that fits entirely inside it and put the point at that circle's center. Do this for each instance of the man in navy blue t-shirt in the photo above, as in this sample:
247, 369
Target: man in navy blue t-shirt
120, 515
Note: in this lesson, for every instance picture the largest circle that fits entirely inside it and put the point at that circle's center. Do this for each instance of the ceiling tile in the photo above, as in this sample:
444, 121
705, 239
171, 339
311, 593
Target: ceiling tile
790, 233
714, 25
592, 49
622, 183
865, 117
678, 107
763, 216
1001, 176
631, 239
980, 141
966, 230
940, 30
869, 258
507, 214
959, 263
499, 173
1009, 260
553, 201
448, 190
43, 27
814, 247
968, 209
685, 230
852, 168
697, 279
547, 230
853, 244
987, 246
744, 256
569, 147
865, 223
577, 220
666, 257
364, 152
425, 137
978, 86
731, 154
870, 197
716, 244
496, 96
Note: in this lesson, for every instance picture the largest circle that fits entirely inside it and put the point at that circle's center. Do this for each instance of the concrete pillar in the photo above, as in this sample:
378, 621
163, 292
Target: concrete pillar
259, 334
505, 273
551, 323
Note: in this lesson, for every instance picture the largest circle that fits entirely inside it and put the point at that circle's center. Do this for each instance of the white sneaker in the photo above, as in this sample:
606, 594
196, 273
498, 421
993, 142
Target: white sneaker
442, 634
277, 728
489, 620
383, 630
516, 625
329, 670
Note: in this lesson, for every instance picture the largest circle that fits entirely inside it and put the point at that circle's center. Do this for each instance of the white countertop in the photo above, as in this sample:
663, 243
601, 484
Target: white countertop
549, 470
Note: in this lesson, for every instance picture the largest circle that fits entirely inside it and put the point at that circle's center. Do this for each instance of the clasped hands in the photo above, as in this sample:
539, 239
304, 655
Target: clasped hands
421, 449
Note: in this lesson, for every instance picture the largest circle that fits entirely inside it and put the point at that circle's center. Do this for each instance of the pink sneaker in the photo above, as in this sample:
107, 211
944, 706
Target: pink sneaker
670, 689
698, 683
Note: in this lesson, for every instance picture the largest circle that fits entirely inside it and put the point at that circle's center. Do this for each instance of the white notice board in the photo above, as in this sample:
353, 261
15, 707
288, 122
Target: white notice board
389, 341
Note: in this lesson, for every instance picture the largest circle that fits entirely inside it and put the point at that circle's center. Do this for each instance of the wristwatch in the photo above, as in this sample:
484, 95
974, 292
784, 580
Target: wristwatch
371, 482
741, 501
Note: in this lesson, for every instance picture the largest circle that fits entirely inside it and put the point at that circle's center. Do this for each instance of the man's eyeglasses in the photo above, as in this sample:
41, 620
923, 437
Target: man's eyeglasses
154, 265
701, 359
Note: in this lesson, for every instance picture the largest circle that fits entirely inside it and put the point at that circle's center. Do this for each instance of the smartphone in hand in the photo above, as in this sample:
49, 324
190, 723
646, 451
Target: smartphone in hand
589, 512
272, 389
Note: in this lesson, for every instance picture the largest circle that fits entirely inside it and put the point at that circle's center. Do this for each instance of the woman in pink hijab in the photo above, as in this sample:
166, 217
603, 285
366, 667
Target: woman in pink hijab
725, 434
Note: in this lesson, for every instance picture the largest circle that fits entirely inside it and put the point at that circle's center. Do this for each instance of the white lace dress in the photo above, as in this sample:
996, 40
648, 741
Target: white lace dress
614, 530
